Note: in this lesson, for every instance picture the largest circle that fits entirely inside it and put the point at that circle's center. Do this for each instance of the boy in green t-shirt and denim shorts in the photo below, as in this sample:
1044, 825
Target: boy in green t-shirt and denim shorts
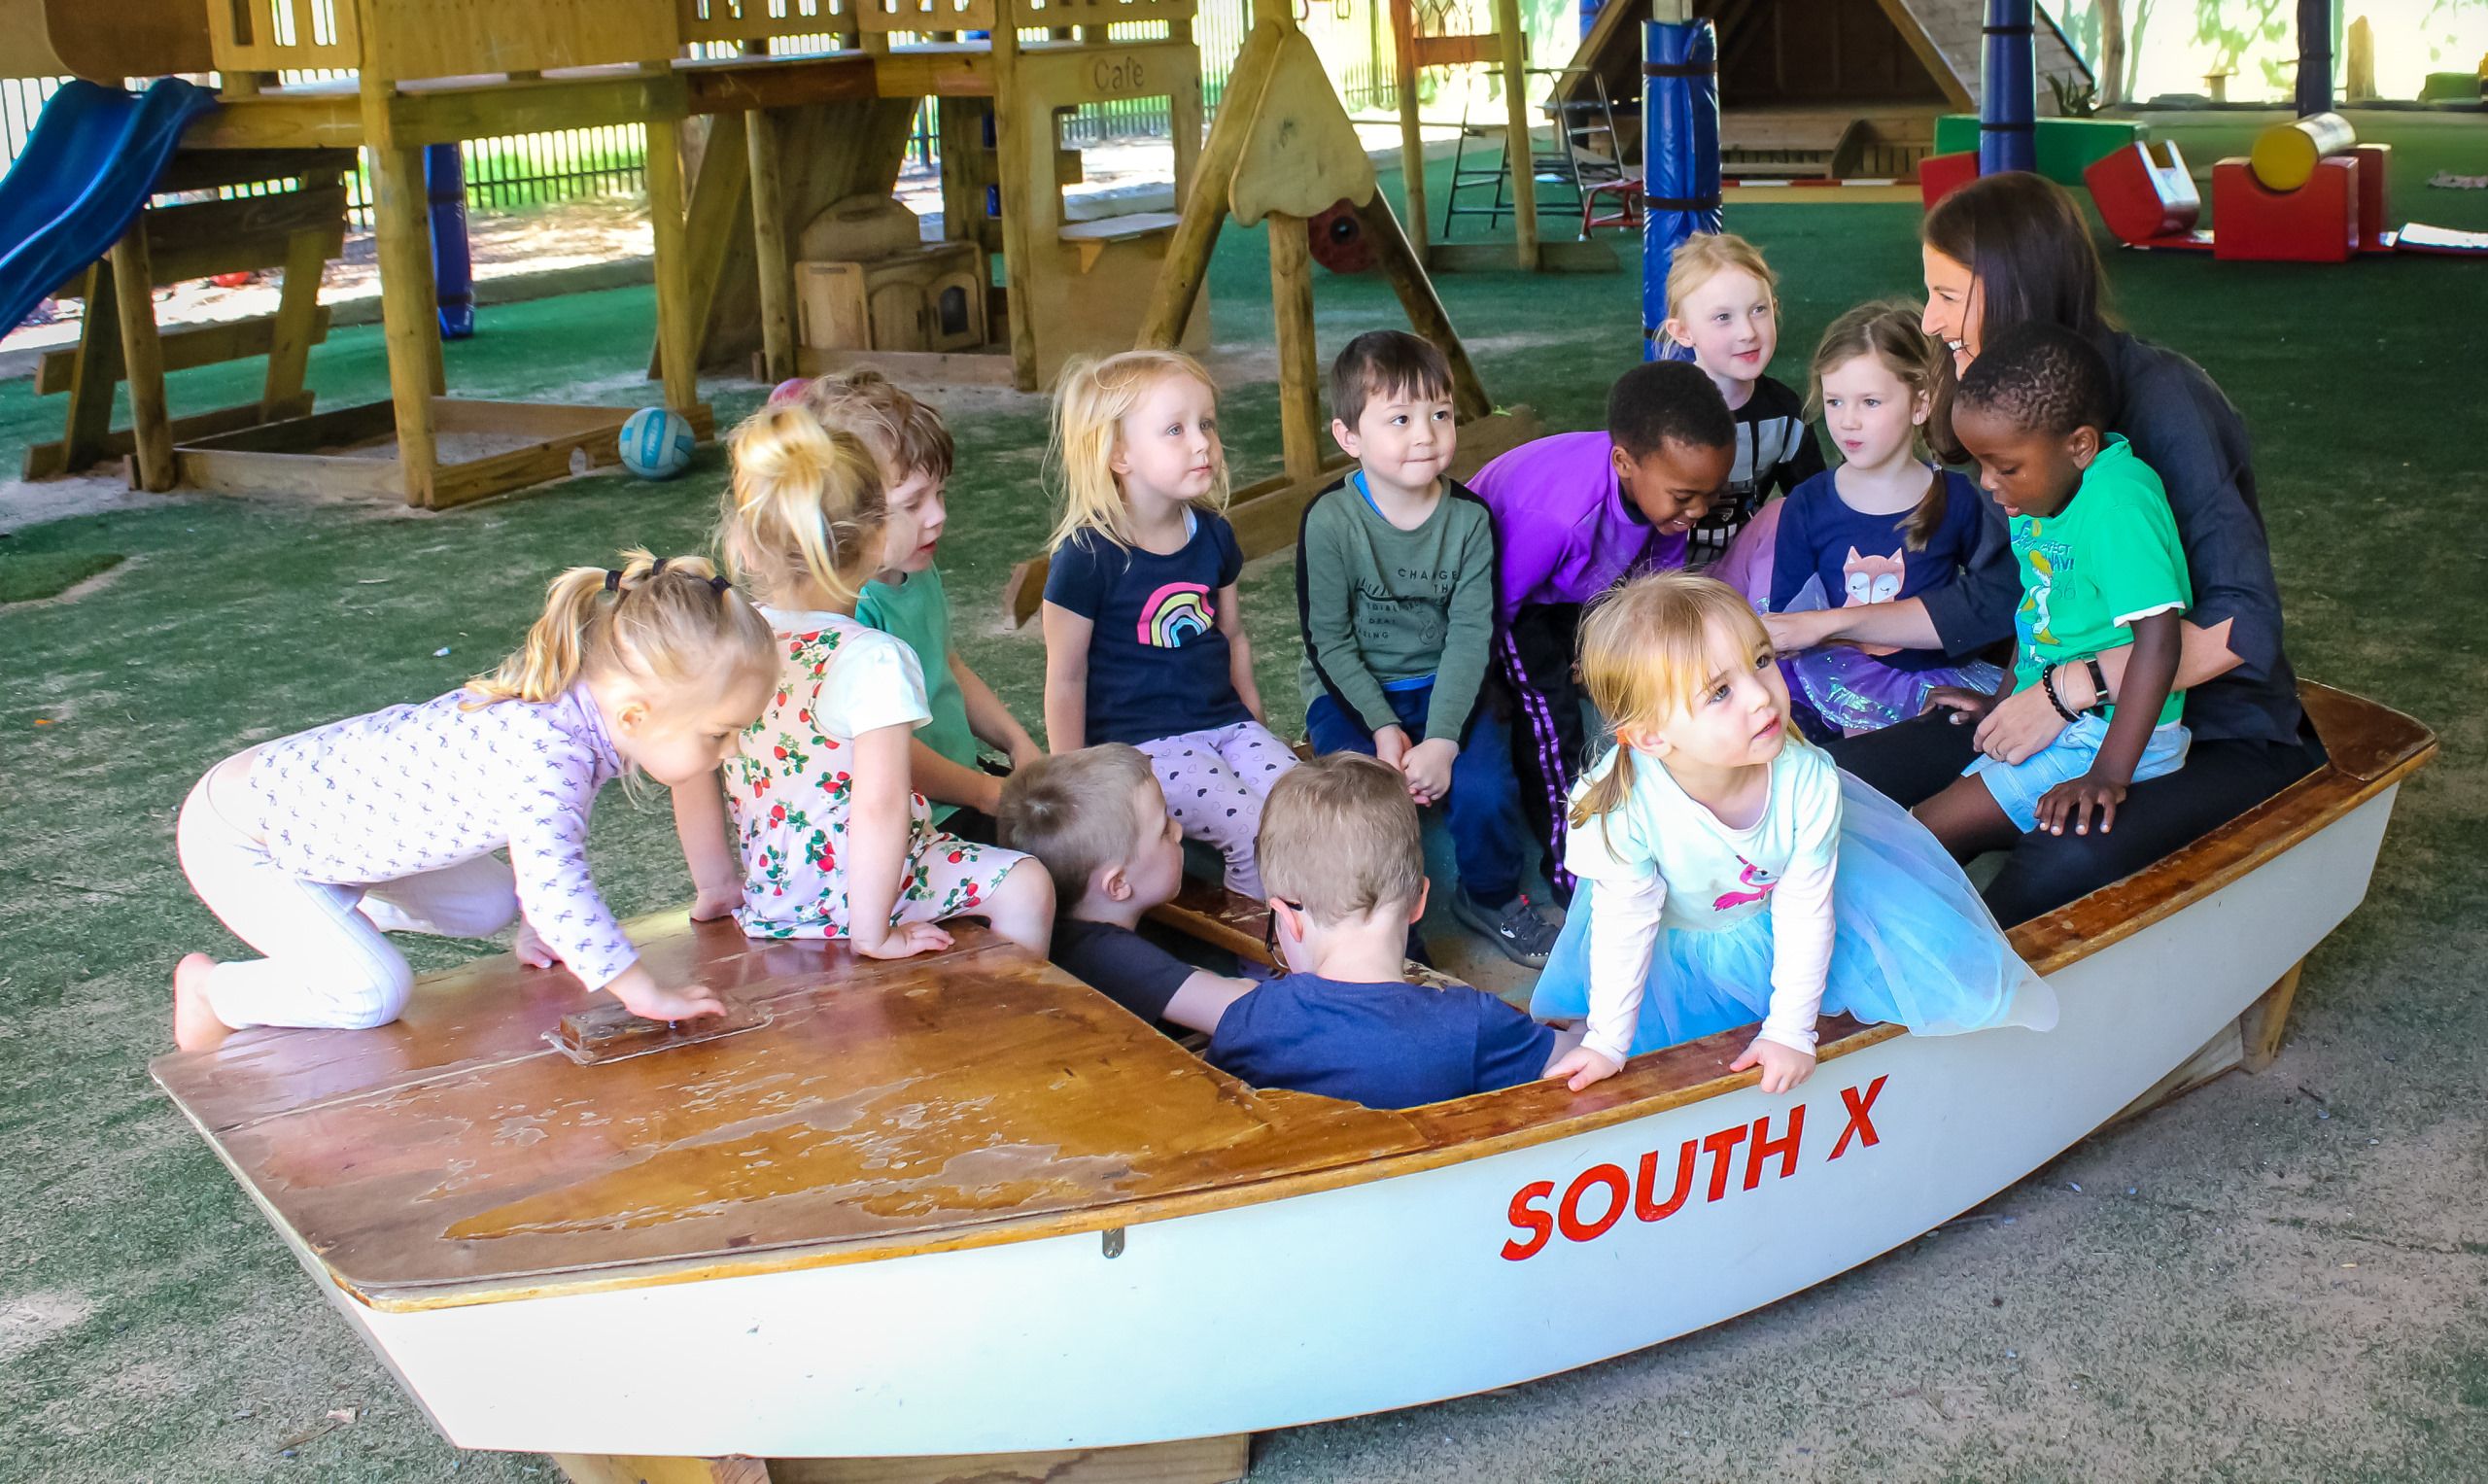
2101, 568
905, 600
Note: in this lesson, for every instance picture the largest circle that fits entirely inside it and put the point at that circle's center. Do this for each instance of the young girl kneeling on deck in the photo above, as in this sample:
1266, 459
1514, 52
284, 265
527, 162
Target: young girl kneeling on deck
1727, 856
313, 849
835, 844
1144, 636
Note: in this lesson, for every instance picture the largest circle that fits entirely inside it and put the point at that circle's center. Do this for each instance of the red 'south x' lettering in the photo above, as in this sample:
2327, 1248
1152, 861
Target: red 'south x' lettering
1861, 1120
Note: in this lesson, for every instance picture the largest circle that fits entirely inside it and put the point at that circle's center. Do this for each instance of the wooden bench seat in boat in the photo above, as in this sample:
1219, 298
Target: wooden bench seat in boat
935, 1103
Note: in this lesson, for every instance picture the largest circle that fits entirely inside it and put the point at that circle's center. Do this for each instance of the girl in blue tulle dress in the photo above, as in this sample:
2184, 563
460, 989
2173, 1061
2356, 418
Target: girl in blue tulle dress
1736, 874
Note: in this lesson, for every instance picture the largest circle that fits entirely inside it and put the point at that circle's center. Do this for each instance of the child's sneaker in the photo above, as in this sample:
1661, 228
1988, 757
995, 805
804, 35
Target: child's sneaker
1515, 930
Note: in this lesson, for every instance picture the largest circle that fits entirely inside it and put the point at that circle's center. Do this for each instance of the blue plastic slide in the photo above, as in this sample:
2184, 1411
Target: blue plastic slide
87, 169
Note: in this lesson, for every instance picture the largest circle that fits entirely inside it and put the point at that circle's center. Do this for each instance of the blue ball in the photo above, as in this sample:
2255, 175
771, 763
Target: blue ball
657, 443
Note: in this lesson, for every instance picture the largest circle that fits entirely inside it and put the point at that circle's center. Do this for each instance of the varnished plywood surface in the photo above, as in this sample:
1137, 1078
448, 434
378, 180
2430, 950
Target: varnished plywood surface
881, 1101
968, 1097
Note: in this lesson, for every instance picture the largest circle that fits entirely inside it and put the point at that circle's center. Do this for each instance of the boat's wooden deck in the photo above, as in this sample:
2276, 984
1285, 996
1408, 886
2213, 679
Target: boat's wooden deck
970, 1097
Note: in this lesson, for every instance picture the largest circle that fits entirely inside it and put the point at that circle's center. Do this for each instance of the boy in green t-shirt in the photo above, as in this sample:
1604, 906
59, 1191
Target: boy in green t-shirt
905, 600
1395, 591
2101, 568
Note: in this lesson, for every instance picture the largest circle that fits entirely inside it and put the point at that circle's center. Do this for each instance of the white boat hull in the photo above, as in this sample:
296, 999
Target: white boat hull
1376, 1295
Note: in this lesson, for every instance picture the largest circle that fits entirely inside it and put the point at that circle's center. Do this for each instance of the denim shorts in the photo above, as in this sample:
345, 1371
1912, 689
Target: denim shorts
2018, 786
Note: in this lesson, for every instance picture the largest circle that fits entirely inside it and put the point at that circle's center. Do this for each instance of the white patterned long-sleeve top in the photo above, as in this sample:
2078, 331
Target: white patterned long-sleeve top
415, 789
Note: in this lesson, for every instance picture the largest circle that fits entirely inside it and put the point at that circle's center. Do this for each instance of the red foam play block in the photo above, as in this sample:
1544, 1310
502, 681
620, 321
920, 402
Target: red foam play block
2317, 222
1940, 174
2144, 192
2374, 205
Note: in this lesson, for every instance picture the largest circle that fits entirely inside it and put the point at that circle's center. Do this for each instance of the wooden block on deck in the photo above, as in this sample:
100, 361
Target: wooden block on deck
611, 1032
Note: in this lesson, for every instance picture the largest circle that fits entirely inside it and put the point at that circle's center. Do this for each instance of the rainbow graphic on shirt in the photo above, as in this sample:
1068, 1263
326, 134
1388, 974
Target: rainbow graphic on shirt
1175, 614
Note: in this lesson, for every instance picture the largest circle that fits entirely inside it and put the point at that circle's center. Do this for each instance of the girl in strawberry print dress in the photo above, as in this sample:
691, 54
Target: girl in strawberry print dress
833, 841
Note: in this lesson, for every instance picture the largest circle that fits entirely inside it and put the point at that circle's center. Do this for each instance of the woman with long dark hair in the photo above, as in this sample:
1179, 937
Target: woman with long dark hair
2013, 249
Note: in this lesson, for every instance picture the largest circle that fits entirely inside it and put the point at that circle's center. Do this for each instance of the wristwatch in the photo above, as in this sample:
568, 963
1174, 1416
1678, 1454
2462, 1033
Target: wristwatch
2099, 694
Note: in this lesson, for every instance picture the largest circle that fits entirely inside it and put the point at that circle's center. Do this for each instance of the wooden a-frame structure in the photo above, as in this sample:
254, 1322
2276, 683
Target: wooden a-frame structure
1280, 152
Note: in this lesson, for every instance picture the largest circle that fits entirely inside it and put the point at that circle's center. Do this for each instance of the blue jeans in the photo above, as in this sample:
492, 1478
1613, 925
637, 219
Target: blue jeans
1482, 806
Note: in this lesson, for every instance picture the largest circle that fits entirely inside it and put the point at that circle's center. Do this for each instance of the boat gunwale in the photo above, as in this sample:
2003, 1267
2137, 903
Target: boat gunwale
2048, 944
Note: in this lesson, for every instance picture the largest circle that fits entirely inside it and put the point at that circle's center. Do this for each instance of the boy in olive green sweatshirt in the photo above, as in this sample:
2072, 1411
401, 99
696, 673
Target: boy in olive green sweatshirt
1394, 589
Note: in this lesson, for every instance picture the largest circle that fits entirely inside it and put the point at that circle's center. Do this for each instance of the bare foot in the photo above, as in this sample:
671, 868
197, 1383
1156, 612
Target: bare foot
530, 950
195, 1027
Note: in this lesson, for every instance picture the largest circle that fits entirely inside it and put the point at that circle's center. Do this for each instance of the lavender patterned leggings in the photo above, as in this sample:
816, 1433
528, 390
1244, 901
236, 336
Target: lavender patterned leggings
1215, 782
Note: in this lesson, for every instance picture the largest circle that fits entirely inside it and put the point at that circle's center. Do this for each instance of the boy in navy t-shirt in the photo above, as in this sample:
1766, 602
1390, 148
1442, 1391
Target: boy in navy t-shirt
1096, 820
1346, 874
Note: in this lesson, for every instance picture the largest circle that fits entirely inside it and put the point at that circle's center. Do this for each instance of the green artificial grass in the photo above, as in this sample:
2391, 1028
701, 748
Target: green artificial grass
31, 576
152, 1328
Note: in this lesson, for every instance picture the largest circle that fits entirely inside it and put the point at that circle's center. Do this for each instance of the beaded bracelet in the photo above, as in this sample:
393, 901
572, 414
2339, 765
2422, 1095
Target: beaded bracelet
2048, 684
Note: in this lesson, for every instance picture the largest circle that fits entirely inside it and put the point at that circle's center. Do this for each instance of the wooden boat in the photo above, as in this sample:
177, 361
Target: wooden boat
966, 1205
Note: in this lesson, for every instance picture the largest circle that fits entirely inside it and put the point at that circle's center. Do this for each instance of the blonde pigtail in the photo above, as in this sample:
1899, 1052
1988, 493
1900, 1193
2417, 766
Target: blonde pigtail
669, 619
804, 509
1605, 793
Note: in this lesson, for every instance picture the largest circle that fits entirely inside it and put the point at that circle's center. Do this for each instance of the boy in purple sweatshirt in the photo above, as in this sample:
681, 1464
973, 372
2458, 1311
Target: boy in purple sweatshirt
1574, 515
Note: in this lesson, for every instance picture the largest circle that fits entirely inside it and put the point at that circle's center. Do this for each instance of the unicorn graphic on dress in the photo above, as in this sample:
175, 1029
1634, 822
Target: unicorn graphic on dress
1762, 882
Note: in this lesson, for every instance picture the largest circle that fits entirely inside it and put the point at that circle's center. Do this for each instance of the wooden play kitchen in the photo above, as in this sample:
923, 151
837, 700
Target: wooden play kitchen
960, 1217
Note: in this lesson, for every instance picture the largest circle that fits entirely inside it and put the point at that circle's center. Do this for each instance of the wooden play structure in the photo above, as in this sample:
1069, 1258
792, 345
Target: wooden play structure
960, 1217
1425, 35
1823, 88
793, 132
424, 73
1280, 153
294, 222
799, 140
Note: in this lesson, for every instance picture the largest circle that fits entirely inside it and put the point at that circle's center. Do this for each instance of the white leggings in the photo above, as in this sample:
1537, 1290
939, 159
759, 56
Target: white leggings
329, 962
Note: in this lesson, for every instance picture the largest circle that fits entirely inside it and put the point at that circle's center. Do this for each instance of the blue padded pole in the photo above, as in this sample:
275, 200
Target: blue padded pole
1679, 158
453, 268
2008, 90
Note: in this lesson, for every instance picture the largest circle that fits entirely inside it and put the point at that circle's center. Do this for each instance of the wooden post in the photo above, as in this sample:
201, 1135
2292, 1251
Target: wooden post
297, 312
1184, 113
675, 333
768, 247
2265, 1022
1418, 300
96, 373
1412, 139
1204, 205
1518, 156
409, 313
143, 355
1299, 367
1013, 118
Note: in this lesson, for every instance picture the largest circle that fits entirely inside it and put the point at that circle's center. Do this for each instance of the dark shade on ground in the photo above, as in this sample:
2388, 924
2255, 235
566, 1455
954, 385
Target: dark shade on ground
2281, 1276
